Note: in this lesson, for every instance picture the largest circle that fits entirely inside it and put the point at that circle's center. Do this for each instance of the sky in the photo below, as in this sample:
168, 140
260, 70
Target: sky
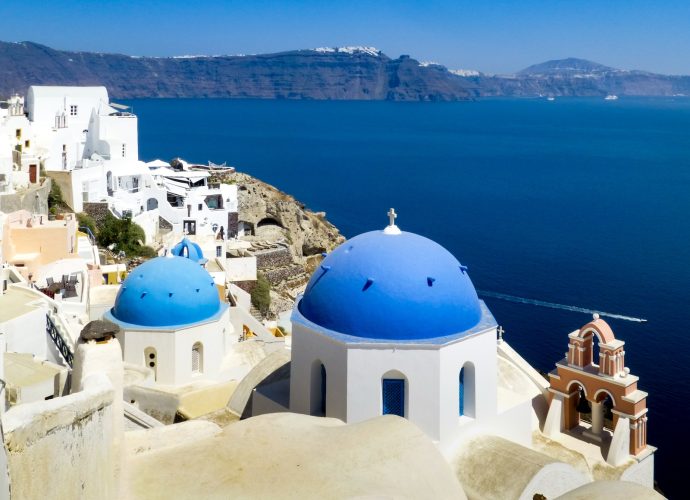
492, 36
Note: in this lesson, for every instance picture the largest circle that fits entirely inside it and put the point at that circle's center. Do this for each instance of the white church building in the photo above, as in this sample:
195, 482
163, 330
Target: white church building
173, 321
391, 324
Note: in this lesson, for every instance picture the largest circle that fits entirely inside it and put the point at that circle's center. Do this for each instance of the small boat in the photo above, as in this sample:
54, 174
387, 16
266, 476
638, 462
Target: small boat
551, 98
611, 97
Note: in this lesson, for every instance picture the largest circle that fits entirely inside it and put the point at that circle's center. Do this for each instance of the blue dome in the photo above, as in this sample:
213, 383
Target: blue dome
189, 249
391, 286
166, 291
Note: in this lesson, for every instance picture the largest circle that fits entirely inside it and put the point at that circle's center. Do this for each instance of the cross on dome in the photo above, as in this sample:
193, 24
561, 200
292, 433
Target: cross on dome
392, 216
392, 228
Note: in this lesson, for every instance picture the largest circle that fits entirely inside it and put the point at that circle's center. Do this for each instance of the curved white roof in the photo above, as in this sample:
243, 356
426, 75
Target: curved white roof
53, 91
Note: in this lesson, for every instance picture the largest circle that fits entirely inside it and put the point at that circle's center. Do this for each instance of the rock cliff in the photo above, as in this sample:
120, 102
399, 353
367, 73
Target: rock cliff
293, 237
360, 73
272, 214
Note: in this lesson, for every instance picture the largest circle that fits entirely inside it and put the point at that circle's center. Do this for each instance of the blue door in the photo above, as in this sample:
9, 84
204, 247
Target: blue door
393, 397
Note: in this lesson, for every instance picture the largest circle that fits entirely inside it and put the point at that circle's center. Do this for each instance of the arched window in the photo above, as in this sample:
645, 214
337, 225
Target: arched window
323, 390
197, 358
393, 389
466, 391
318, 389
461, 392
151, 204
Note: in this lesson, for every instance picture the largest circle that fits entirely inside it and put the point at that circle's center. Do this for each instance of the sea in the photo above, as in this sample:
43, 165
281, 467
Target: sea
580, 203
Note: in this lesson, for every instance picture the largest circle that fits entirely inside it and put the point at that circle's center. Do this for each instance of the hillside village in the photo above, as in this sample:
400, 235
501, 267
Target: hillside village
226, 341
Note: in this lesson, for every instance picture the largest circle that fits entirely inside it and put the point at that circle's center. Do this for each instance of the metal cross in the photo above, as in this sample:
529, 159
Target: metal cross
392, 216
500, 331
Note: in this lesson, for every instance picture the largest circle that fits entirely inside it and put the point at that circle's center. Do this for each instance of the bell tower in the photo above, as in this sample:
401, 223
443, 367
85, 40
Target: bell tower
582, 381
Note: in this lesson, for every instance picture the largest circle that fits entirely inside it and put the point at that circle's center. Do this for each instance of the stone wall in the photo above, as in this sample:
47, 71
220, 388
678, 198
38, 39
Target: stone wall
233, 224
97, 210
62, 448
34, 199
247, 286
283, 274
273, 258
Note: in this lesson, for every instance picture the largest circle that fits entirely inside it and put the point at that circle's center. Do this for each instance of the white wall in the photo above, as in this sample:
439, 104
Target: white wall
5, 162
244, 299
174, 349
421, 369
66, 442
109, 133
480, 350
97, 359
355, 370
16, 179
149, 222
44, 102
95, 130
308, 348
240, 268
195, 208
641, 472
86, 180
27, 333
65, 146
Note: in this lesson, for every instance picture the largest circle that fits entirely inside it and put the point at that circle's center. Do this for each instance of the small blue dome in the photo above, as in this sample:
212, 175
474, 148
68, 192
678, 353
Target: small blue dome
166, 291
391, 286
190, 250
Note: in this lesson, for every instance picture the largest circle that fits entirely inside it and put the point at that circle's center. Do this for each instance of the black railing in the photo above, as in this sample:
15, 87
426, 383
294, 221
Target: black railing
60, 343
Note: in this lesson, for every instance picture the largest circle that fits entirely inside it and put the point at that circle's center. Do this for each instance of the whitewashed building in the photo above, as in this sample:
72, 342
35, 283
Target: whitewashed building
193, 205
89, 146
173, 321
20, 155
76, 123
390, 323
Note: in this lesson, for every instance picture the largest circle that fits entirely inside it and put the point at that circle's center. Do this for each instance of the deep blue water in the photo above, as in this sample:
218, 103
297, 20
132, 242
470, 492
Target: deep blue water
578, 201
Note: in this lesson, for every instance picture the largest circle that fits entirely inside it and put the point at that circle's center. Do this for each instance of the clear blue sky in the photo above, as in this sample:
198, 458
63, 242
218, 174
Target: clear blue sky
488, 35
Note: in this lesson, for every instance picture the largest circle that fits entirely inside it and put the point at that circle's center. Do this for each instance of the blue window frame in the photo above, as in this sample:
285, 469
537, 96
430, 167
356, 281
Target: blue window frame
393, 396
461, 392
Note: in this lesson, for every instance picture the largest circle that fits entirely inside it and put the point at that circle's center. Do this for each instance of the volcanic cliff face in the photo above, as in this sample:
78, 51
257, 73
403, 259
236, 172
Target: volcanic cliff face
273, 214
360, 73
356, 73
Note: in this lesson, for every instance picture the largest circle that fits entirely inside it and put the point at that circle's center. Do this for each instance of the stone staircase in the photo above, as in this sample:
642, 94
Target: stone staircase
256, 313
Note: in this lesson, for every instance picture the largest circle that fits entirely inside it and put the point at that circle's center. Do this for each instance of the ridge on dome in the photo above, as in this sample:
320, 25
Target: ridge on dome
164, 292
391, 284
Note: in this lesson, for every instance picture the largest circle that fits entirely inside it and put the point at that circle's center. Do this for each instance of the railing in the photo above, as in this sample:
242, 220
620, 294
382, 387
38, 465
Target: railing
86, 230
54, 332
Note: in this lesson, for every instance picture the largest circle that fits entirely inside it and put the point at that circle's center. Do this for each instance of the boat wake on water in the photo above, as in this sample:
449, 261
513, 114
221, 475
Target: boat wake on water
552, 305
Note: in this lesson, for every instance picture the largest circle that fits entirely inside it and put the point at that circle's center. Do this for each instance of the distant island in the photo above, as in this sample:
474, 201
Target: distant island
357, 73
